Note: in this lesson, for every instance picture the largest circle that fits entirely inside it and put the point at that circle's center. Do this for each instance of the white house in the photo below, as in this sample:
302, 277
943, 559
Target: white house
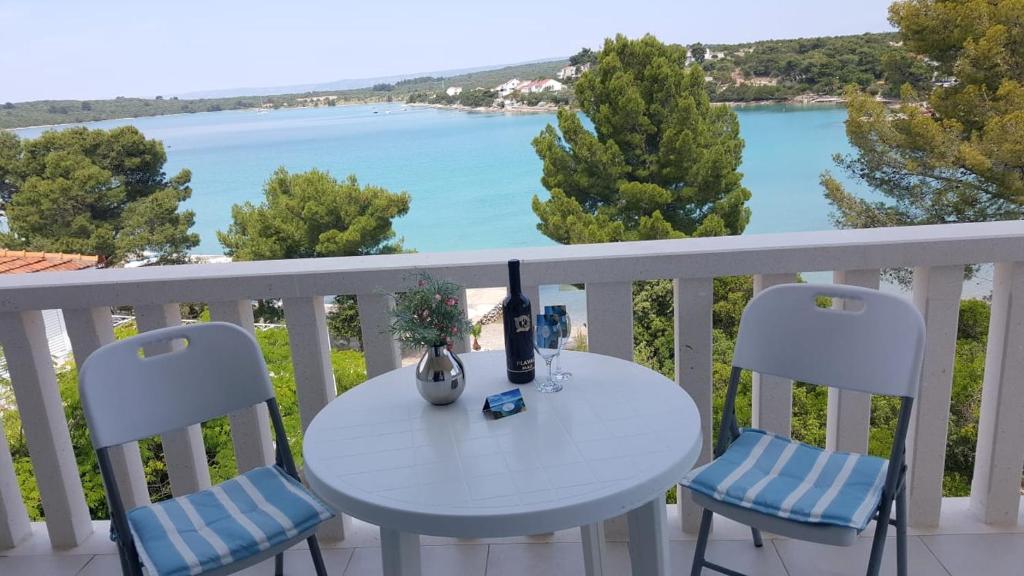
453, 90
508, 87
570, 72
547, 84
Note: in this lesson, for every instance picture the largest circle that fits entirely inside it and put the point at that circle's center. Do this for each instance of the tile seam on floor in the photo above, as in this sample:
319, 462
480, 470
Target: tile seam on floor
86, 565
779, 556
487, 559
934, 555
347, 562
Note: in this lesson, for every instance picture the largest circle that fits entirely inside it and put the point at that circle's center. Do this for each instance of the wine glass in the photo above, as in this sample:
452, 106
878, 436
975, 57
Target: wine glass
548, 343
558, 314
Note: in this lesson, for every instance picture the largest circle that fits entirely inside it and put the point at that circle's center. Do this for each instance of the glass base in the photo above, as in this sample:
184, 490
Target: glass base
549, 386
562, 376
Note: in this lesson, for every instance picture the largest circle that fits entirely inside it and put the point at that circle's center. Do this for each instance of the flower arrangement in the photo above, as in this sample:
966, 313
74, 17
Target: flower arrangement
428, 314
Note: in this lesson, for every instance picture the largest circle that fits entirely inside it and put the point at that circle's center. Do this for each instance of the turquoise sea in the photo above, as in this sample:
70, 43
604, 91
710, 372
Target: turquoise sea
476, 169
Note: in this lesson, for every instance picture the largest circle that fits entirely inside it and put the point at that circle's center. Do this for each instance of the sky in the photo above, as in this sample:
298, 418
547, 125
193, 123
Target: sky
74, 49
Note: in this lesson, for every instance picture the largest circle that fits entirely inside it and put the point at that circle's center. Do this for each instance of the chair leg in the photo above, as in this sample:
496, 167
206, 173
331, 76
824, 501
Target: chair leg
758, 541
878, 544
318, 558
702, 543
279, 564
901, 533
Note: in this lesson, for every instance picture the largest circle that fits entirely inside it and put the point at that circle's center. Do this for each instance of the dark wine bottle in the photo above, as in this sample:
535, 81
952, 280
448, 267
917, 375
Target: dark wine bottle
518, 320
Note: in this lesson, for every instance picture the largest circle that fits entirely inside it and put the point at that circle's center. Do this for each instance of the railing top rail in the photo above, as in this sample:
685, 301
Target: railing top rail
934, 245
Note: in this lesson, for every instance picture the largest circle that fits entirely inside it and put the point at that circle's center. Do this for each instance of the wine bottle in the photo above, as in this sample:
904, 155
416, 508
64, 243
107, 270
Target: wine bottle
518, 321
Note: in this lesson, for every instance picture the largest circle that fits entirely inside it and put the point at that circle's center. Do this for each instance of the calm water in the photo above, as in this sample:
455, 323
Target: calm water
471, 176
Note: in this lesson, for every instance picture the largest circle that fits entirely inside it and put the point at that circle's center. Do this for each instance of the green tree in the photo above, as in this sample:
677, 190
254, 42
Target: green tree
95, 192
584, 56
698, 52
311, 215
660, 162
902, 68
960, 157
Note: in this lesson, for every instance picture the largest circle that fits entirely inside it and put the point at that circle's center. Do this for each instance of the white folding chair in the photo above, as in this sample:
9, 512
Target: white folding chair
776, 484
130, 391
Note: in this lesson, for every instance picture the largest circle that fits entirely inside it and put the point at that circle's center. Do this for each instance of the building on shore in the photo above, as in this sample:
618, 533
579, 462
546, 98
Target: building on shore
545, 85
508, 87
453, 90
572, 72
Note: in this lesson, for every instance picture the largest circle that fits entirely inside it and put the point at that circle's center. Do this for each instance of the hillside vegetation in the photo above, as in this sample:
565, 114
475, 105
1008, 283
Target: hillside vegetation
757, 71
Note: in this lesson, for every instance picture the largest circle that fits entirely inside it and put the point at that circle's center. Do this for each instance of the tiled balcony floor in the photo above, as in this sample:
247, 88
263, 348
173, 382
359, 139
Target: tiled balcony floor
960, 547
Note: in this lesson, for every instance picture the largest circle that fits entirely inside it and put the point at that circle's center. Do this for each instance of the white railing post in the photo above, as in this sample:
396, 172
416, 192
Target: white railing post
184, 451
694, 300
463, 345
88, 330
250, 427
610, 318
306, 319
937, 295
996, 488
14, 524
380, 349
848, 424
771, 396
610, 332
23, 335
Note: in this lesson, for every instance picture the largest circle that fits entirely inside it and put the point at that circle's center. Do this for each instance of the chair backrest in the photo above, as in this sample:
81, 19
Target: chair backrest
126, 396
877, 348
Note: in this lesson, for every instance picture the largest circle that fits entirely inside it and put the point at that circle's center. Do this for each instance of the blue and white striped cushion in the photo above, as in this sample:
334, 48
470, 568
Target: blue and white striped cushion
788, 479
224, 524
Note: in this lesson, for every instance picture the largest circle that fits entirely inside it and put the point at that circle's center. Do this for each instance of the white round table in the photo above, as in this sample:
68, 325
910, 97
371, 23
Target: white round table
612, 442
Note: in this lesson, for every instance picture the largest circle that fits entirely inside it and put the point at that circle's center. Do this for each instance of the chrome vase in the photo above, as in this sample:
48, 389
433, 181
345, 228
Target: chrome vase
440, 376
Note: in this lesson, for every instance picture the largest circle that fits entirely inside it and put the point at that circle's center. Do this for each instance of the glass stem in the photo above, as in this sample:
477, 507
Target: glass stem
550, 378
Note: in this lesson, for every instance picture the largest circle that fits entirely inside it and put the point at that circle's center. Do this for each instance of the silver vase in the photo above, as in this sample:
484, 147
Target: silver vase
440, 376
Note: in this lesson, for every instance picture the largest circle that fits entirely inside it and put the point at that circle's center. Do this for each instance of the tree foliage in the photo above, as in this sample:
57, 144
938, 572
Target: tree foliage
960, 157
660, 162
94, 192
312, 214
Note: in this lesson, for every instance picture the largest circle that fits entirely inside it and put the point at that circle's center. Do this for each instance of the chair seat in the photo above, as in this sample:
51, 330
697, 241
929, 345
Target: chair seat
781, 477
225, 524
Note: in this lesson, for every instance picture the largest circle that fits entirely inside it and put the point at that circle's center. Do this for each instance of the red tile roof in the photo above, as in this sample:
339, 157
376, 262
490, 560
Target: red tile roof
20, 261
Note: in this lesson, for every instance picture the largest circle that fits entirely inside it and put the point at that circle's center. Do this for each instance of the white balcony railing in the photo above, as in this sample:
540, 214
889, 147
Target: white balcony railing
937, 255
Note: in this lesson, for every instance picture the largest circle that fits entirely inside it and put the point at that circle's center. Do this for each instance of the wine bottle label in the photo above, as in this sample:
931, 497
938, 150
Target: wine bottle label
522, 366
522, 323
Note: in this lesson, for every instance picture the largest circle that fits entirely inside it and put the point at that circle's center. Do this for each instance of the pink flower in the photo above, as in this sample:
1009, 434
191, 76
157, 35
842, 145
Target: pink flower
437, 297
451, 301
454, 330
421, 283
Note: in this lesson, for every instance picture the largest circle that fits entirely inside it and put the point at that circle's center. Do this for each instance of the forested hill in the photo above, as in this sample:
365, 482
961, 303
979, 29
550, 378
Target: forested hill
48, 112
764, 70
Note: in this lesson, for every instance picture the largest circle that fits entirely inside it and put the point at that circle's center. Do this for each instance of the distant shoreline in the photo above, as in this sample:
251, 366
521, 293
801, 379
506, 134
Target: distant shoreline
803, 100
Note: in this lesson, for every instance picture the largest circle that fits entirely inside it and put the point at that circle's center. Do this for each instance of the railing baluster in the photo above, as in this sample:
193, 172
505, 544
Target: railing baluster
610, 318
693, 303
23, 335
306, 319
771, 396
381, 351
184, 450
848, 423
610, 332
463, 345
14, 524
995, 490
937, 295
88, 330
250, 427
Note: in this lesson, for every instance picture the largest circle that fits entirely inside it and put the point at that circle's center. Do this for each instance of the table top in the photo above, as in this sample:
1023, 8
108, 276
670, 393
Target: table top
617, 436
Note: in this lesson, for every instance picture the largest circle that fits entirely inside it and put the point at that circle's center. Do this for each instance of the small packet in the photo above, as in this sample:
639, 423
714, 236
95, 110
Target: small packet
504, 404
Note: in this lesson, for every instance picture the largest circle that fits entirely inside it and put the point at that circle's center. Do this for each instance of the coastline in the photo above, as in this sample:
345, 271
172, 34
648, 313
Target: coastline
803, 100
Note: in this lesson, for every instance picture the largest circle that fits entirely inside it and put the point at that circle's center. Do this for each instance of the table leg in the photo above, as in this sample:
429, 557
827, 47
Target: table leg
595, 558
400, 552
648, 539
